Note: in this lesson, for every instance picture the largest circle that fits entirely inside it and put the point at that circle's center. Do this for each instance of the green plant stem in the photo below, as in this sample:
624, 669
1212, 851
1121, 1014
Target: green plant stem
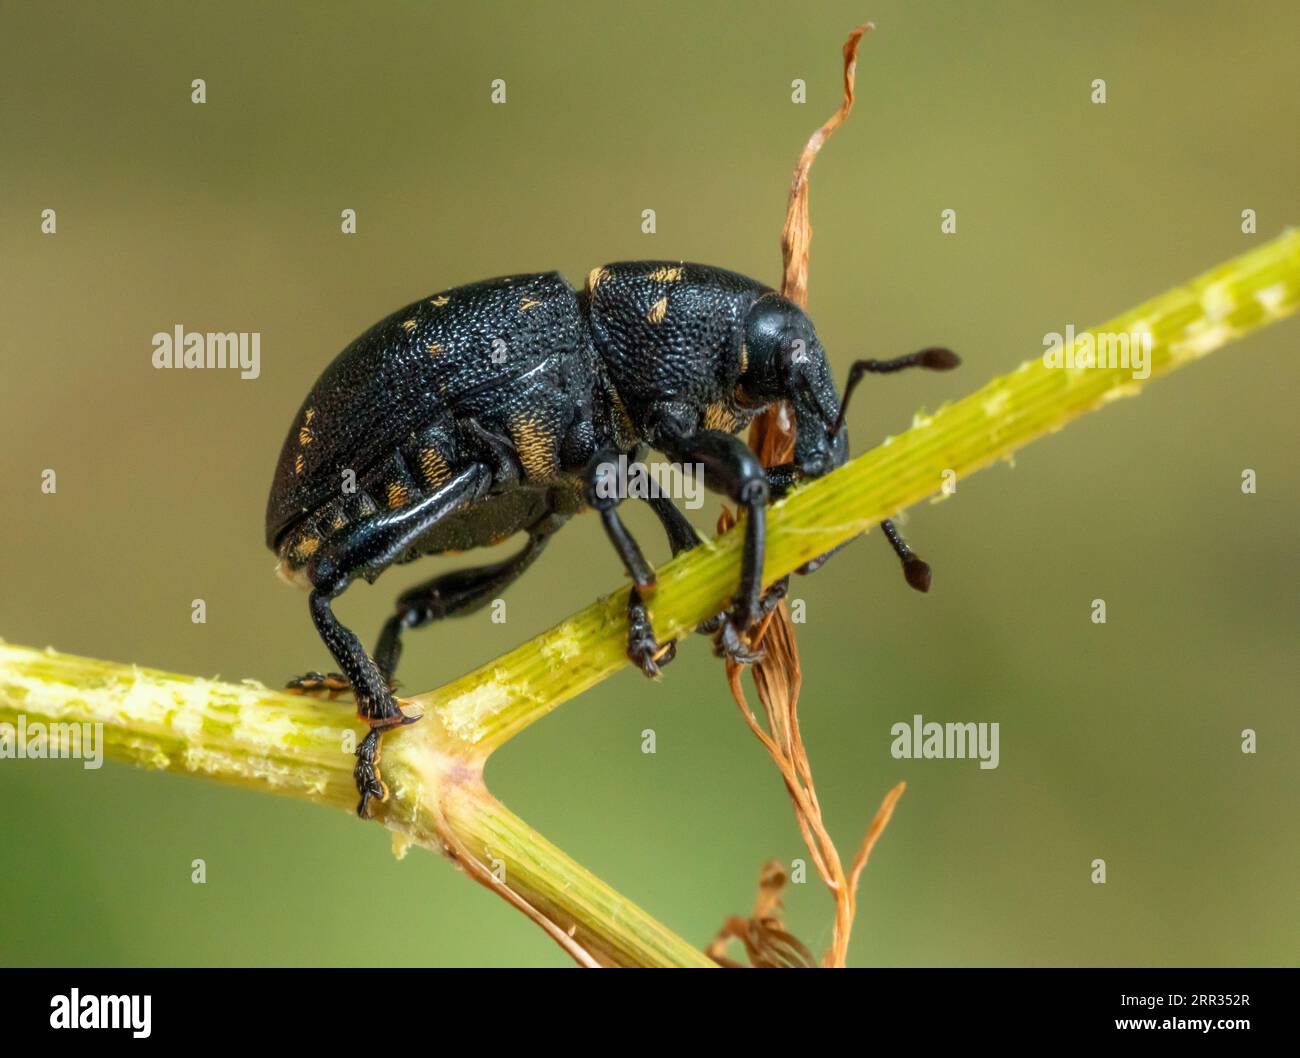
485, 708
250, 736
247, 735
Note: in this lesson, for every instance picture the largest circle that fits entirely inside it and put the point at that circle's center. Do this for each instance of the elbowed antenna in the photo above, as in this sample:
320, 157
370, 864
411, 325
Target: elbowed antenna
936, 358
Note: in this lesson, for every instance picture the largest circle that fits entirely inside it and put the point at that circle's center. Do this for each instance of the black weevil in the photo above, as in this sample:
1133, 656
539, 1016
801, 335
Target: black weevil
492, 408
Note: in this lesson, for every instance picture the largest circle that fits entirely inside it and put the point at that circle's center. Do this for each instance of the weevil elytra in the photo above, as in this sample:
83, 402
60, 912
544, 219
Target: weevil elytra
490, 409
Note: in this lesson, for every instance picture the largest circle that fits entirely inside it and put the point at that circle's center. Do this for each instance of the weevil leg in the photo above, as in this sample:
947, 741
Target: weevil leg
935, 358
455, 594
682, 537
768, 601
681, 534
330, 684
731, 468
916, 572
604, 493
785, 476
326, 684
370, 546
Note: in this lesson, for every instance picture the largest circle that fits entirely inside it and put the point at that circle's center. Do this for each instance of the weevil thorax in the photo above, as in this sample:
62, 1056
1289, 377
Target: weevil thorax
669, 334
785, 361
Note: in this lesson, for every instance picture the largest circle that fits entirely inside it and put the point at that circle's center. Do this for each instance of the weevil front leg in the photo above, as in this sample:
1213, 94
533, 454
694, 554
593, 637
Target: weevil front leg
370, 546
683, 537
731, 468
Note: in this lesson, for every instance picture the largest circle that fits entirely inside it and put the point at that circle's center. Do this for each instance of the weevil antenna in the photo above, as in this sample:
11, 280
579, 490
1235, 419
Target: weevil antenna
935, 358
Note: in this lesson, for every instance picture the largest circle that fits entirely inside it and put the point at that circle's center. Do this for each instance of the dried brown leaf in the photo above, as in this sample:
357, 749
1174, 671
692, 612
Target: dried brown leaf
768, 944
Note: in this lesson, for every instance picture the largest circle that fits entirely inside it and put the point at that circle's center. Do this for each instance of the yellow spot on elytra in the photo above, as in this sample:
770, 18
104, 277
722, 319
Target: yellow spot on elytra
594, 278
528, 303
435, 348
338, 521
306, 547
396, 494
658, 311
439, 301
433, 467
536, 447
304, 435
665, 275
409, 325
309, 415
299, 463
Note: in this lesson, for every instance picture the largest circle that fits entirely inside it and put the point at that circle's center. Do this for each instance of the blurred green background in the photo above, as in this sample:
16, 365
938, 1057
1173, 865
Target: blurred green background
1119, 741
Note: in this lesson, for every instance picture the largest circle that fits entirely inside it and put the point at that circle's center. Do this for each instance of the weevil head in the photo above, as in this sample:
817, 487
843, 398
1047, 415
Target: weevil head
783, 360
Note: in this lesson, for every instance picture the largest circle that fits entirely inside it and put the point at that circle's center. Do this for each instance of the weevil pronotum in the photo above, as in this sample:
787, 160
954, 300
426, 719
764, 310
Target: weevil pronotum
490, 409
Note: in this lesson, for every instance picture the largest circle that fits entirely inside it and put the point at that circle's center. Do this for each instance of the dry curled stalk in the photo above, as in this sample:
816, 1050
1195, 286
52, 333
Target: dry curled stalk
777, 677
767, 942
